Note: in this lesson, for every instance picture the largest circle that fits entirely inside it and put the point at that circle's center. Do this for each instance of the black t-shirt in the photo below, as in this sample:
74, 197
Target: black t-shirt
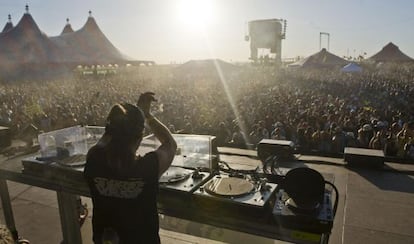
125, 202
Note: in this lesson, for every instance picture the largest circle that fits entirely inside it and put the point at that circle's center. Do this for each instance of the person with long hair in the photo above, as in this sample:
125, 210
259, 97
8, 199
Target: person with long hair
124, 186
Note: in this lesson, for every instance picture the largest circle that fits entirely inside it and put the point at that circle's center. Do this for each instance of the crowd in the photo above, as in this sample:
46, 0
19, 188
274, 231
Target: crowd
319, 111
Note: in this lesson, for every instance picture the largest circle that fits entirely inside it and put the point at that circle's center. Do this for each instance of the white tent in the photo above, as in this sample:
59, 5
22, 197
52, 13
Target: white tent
352, 68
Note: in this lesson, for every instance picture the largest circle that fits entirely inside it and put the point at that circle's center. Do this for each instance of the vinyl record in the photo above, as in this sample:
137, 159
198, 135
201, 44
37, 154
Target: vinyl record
229, 187
174, 174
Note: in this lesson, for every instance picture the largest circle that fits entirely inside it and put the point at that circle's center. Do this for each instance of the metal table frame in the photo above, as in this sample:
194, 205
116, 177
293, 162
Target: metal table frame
67, 196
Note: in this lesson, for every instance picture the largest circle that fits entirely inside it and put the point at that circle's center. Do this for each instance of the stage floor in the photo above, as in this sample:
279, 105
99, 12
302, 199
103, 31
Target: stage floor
374, 207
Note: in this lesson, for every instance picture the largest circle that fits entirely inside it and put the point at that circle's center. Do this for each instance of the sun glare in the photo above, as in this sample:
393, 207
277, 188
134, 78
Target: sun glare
195, 14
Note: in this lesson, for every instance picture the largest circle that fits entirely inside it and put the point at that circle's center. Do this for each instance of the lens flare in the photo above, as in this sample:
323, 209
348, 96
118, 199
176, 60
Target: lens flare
195, 14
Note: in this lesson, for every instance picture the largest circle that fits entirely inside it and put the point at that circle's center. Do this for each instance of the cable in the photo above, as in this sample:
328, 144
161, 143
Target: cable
271, 160
235, 171
336, 198
334, 207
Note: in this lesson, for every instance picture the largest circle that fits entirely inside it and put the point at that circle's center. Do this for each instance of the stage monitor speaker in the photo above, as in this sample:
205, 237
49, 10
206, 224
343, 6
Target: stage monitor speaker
5, 137
283, 149
362, 157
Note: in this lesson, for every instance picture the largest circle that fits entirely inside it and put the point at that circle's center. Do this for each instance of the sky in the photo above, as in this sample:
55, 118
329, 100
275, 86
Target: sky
175, 31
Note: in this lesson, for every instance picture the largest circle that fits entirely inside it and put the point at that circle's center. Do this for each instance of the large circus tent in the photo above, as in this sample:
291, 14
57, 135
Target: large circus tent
25, 49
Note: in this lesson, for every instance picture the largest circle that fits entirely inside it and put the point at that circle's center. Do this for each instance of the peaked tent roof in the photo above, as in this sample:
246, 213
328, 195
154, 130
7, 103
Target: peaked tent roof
321, 59
8, 26
88, 45
25, 43
67, 28
390, 53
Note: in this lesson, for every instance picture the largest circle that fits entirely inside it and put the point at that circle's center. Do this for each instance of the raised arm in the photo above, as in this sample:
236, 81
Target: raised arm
168, 146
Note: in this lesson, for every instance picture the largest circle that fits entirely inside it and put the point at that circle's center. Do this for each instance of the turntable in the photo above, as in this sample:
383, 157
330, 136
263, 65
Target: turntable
240, 190
182, 179
193, 163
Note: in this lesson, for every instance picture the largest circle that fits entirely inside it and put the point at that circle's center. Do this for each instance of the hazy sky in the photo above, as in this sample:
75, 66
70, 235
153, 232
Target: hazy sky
168, 30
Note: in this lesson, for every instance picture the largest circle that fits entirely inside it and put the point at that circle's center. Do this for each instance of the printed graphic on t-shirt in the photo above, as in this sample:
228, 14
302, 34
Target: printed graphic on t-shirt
119, 188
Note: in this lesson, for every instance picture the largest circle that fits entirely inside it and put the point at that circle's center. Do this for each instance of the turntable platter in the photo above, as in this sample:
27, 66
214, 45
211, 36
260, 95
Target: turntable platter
174, 174
229, 187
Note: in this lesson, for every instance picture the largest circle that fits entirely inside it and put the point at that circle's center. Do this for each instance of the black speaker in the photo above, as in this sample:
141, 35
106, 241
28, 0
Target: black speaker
5, 137
362, 157
283, 149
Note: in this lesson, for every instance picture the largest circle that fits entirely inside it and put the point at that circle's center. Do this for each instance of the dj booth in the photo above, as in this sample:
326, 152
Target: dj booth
198, 187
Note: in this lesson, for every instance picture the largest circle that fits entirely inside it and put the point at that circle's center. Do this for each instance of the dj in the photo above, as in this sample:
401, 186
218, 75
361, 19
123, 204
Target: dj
124, 186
